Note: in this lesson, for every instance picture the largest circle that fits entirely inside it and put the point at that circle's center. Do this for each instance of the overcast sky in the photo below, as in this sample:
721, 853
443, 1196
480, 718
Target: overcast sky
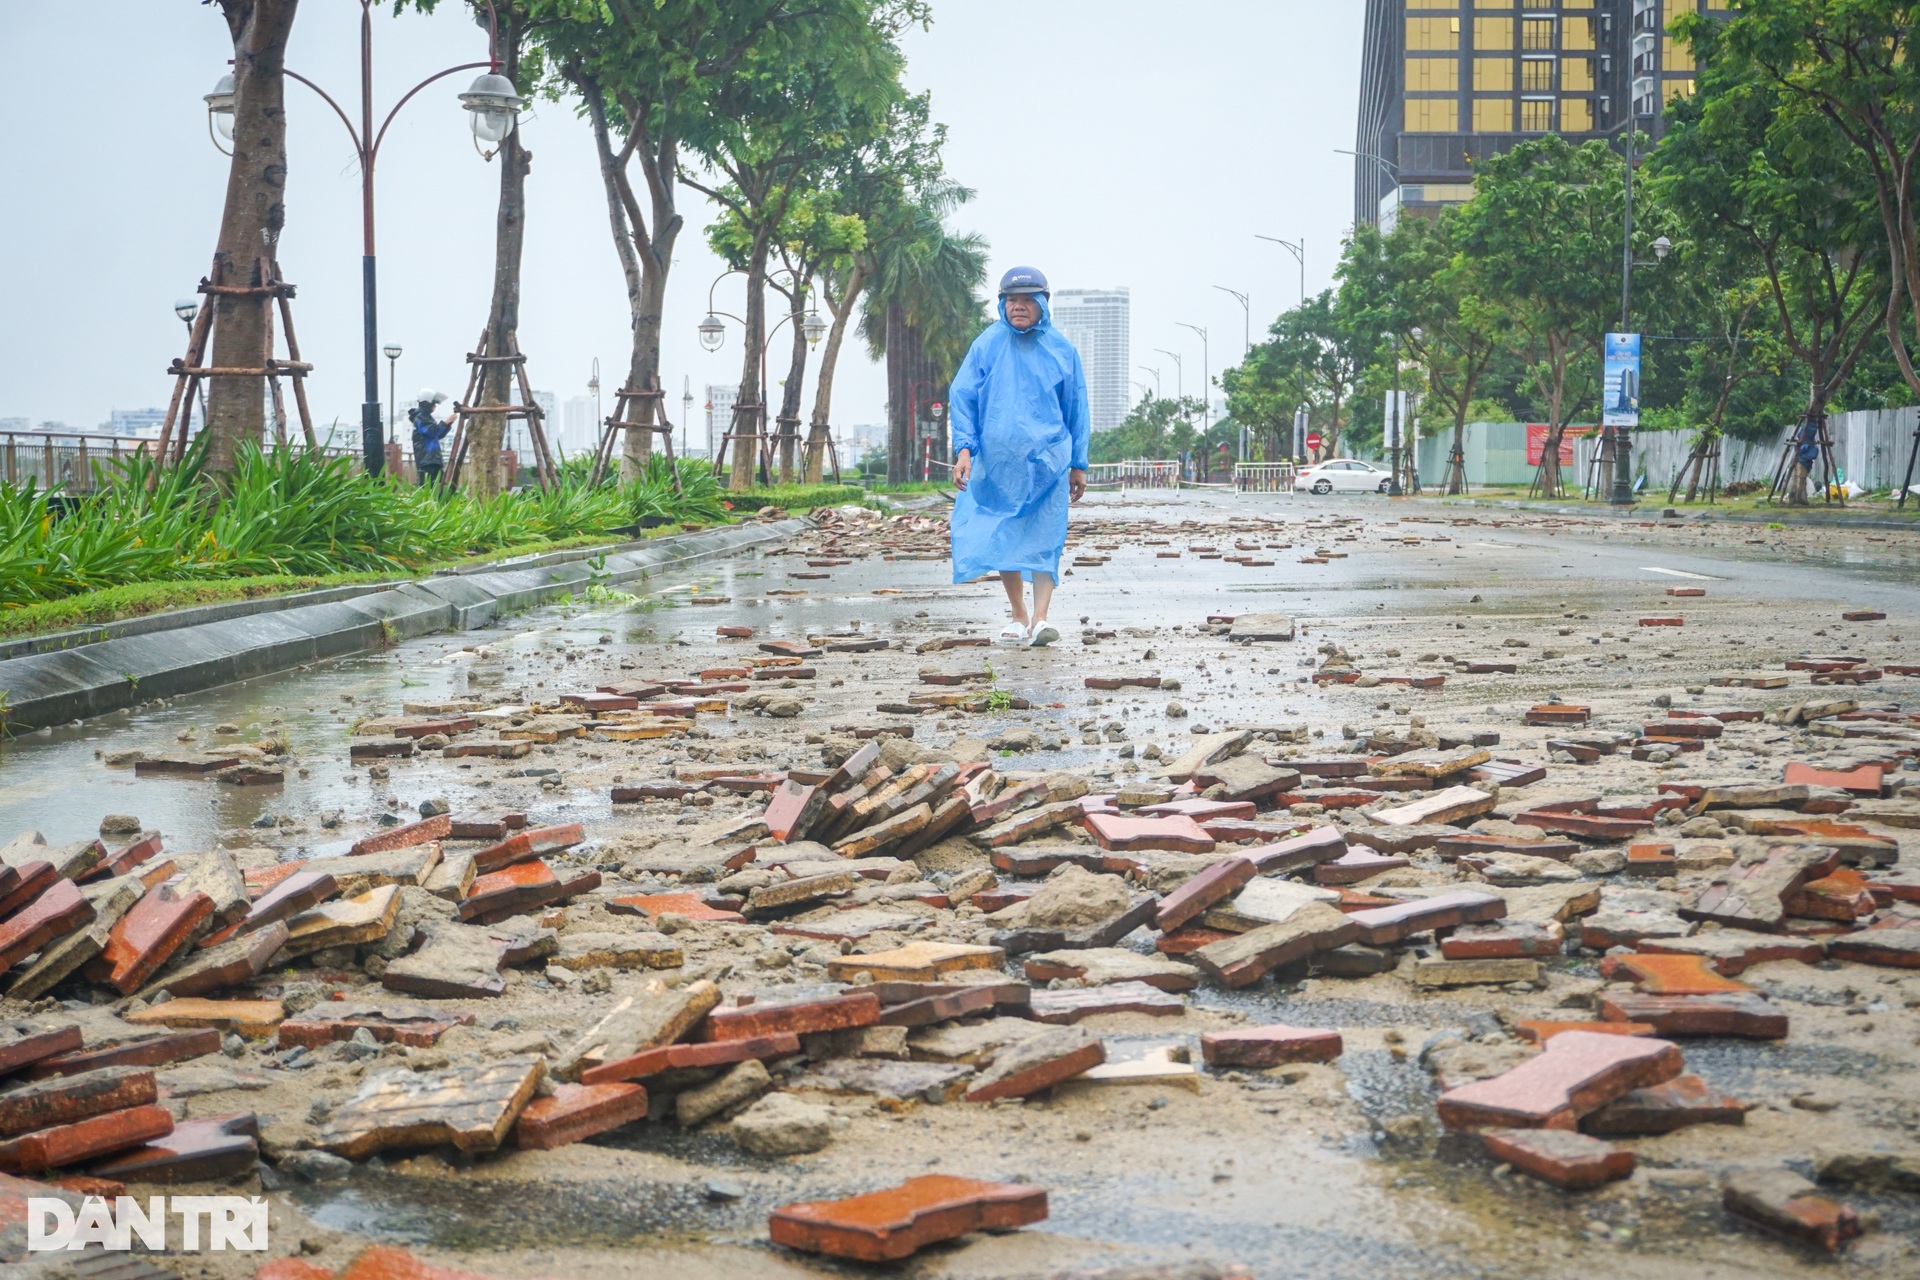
1134, 143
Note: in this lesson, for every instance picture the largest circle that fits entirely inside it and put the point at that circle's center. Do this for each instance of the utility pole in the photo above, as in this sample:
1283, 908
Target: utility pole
1246, 307
1206, 378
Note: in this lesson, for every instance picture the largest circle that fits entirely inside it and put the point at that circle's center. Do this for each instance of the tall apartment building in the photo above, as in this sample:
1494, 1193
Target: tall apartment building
580, 433
1096, 322
719, 413
1446, 82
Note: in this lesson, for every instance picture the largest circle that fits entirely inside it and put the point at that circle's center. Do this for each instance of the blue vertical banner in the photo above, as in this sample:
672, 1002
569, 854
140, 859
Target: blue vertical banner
1620, 405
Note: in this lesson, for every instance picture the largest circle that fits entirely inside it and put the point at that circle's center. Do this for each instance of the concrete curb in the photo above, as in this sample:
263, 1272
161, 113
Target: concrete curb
90, 679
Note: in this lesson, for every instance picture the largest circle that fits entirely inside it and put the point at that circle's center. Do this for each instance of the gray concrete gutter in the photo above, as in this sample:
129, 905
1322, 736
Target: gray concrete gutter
191, 650
1816, 517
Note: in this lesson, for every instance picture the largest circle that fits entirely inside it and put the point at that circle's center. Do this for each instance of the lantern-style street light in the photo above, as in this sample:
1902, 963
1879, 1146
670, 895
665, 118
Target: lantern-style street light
495, 106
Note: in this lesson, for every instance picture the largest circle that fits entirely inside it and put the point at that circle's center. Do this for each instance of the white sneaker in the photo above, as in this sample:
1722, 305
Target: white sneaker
1012, 633
1043, 635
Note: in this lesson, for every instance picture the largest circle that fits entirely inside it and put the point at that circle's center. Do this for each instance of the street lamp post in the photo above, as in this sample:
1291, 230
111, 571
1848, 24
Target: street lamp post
392, 352
1206, 378
1299, 251
1393, 484
1246, 309
593, 385
1622, 495
187, 309
494, 105
713, 334
1156, 378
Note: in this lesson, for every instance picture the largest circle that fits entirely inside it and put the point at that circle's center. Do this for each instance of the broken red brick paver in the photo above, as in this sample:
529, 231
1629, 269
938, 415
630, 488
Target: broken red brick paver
228, 964
794, 809
799, 1017
54, 914
1843, 895
1323, 844
1897, 948
677, 1057
1662, 1108
22, 884
1568, 1160
1036, 1063
522, 887
1687, 593
1201, 811
1866, 780
149, 935
1665, 620
1754, 896
1787, 1204
1653, 859
689, 905
1454, 804
1536, 1031
1684, 727
293, 894
1269, 1046
1553, 713
417, 1026
528, 845
210, 1150
1671, 975
1172, 834
1863, 615
1577, 1073
1187, 940
578, 1111
1221, 880
1733, 1014
1244, 958
65, 1099
18, 1052
156, 1052
944, 1006
1468, 842
66, 1144
1733, 951
438, 827
122, 861
1379, 926
1063, 1008
253, 1019
885, 1226
1590, 825
1505, 940
1356, 865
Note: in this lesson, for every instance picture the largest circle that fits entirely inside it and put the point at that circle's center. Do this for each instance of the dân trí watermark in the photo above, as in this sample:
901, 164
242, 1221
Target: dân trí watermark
231, 1222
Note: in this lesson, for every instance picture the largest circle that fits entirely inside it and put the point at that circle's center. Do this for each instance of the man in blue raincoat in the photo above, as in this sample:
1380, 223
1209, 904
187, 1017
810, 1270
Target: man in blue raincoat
1019, 412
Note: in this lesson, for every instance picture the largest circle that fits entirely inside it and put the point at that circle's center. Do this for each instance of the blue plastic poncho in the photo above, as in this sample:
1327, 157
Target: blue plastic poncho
1019, 403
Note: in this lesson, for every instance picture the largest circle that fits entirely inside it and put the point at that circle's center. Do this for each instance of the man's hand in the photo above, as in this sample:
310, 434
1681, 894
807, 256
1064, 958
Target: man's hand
963, 468
1076, 485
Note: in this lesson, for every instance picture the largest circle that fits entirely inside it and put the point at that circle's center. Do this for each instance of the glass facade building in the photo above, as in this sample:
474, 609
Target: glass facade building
1096, 321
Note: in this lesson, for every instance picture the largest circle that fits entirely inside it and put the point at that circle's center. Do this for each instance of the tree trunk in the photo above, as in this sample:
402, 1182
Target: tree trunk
644, 246
820, 430
250, 223
789, 420
744, 452
899, 397
498, 383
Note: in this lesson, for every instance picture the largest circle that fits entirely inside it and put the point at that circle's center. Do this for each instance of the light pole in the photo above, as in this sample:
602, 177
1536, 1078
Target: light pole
1246, 309
495, 107
593, 385
713, 334
1393, 484
1156, 378
1393, 174
187, 309
686, 409
1206, 378
1622, 495
392, 352
1299, 251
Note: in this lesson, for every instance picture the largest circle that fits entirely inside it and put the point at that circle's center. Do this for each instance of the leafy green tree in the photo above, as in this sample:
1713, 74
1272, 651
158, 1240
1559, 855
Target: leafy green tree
645, 72
1542, 235
1772, 192
1315, 354
1416, 283
798, 95
1850, 64
1154, 429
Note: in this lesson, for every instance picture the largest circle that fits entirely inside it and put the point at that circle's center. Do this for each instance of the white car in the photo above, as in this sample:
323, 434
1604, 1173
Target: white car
1337, 474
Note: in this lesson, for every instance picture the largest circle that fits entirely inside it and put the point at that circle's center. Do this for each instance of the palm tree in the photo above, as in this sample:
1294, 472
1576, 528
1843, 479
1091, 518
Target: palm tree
922, 311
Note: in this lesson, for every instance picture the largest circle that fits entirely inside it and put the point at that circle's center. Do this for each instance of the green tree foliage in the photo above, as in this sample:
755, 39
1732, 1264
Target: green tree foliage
1154, 429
